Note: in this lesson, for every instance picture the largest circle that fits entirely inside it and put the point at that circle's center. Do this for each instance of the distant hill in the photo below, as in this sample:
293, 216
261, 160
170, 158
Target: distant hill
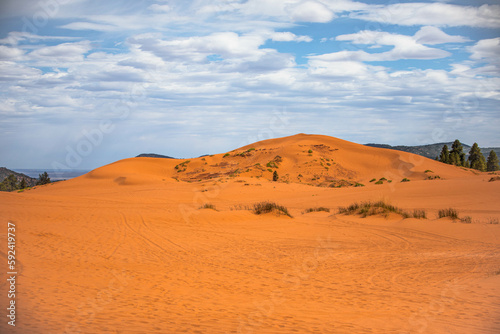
4, 173
431, 151
153, 155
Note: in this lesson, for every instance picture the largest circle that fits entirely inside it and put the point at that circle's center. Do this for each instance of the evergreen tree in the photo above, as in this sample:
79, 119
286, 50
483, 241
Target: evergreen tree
457, 155
43, 179
9, 183
454, 159
476, 158
275, 176
22, 184
445, 155
492, 164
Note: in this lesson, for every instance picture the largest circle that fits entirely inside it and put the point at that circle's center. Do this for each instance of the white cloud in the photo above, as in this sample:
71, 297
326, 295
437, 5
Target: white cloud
160, 8
89, 26
7, 53
432, 35
405, 47
65, 52
435, 14
488, 49
289, 37
311, 11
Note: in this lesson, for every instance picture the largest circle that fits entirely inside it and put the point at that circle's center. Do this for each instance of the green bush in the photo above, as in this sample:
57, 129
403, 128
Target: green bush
405, 180
310, 151
372, 180
379, 182
226, 155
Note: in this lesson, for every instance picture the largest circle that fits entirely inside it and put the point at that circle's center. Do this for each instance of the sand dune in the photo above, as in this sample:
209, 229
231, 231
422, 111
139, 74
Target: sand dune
127, 248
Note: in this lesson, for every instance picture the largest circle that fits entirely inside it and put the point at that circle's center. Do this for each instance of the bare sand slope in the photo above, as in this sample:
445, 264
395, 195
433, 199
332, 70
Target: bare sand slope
127, 249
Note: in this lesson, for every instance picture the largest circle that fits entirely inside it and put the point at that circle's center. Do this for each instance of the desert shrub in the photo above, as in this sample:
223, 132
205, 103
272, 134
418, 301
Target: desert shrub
359, 184
495, 178
493, 221
405, 180
318, 209
275, 176
383, 179
419, 214
450, 212
271, 164
466, 220
428, 171
433, 177
268, 207
366, 209
379, 182
226, 155
373, 180
208, 206
310, 151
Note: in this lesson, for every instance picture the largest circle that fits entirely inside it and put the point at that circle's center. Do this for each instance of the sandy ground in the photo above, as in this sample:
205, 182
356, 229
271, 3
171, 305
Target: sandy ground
127, 249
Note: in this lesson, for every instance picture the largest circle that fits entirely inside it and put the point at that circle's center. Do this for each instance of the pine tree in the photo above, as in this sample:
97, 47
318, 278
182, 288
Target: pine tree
457, 155
9, 183
445, 155
492, 164
43, 178
454, 159
476, 158
22, 184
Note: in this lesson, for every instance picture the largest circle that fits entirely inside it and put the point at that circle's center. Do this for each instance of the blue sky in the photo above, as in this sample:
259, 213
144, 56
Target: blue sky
86, 82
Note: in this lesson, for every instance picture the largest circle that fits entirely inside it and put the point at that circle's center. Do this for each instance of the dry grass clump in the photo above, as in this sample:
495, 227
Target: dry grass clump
366, 209
419, 214
321, 208
450, 212
268, 207
208, 206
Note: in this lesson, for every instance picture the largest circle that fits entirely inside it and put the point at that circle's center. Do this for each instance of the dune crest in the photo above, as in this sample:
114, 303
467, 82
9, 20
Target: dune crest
307, 159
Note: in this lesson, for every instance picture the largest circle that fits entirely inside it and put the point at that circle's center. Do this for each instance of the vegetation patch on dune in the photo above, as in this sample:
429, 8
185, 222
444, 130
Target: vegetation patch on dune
450, 212
365, 209
269, 207
208, 206
317, 209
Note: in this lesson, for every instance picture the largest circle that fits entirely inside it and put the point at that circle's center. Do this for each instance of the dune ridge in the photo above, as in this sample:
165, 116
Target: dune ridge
131, 247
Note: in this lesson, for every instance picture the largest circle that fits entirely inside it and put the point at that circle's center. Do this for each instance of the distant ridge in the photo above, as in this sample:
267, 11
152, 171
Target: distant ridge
154, 155
4, 173
431, 151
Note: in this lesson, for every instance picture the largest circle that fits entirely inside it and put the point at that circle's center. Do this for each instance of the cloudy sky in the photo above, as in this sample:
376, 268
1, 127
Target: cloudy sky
87, 82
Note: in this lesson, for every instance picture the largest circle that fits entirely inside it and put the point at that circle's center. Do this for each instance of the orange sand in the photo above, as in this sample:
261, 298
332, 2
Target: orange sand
127, 249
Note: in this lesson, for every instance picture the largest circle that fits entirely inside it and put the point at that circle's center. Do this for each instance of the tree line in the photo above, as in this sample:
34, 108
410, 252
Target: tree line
475, 160
10, 183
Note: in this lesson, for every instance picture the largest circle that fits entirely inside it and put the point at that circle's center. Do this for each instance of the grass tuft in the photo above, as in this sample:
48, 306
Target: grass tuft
366, 209
268, 207
321, 208
450, 212
208, 206
419, 214
466, 220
